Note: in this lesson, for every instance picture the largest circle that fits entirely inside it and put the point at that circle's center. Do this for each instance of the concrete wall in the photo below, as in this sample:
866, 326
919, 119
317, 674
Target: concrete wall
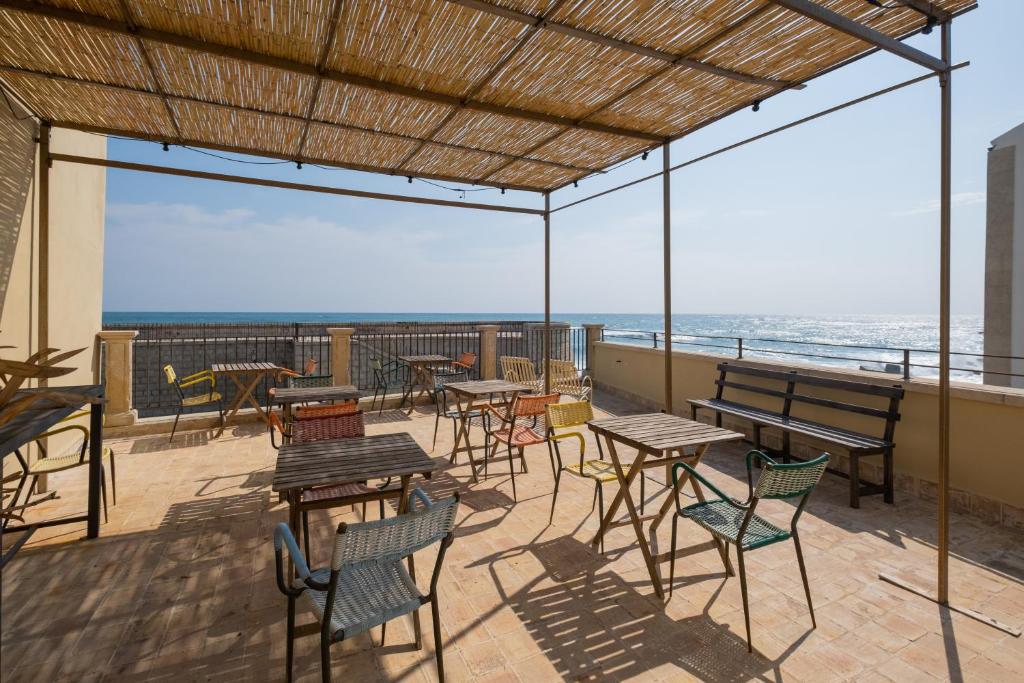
77, 200
987, 424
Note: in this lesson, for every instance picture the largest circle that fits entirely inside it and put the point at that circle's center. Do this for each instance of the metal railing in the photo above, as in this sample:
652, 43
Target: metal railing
904, 361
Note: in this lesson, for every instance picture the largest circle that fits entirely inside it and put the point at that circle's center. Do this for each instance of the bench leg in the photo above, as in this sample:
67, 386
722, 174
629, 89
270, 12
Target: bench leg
785, 447
757, 437
887, 465
854, 481
693, 413
718, 420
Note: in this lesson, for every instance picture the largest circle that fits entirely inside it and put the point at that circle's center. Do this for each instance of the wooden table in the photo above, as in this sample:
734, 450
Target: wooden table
467, 394
287, 396
422, 369
660, 440
245, 376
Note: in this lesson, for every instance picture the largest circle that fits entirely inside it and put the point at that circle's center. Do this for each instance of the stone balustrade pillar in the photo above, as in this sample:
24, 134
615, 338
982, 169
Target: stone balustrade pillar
595, 332
341, 354
488, 351
117, 373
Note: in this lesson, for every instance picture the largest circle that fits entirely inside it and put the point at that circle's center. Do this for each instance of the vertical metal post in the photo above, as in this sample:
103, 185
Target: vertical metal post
547, 292
739, 348
666, 197
945, 198
43, 292
906, 364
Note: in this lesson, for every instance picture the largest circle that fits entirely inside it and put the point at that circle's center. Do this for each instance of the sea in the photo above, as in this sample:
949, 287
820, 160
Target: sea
869, 341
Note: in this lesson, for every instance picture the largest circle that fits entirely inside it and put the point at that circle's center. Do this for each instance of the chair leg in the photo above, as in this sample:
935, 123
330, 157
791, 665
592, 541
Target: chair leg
743, 592
437, 420
325, 656
383, 633
672, 557
174, 428
381, 501
600, 510
643, 495
803, 575
512, 471
305, 535
103, 490
522, 461
289, 657
438, 646
113, 479
554, 497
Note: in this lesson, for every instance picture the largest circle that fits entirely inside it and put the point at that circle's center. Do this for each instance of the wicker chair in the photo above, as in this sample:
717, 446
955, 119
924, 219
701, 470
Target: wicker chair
440, 395
520, 370
566, 380
466, 361
320, 429
567, 416
388, 376
291, 379
210, 396
736, 523
367, 584
516, 435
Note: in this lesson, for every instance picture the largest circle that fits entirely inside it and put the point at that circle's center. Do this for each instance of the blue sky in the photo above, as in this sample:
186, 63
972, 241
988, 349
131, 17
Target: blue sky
836, 216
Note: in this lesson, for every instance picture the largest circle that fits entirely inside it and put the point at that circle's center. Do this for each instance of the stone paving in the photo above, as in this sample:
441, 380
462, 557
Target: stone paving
180, 587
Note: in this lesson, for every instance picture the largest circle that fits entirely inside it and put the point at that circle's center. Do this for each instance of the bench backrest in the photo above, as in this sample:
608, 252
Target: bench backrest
735, 377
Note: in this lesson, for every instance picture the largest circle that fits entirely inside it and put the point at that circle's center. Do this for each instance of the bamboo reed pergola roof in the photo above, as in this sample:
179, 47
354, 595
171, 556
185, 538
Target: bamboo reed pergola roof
523, 94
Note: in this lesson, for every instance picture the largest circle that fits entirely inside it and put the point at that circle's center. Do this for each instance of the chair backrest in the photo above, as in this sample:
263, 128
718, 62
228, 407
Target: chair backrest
396, 537
310, 366
172, 376
332, 427
518, 369
794, 480
530, 406
468, 358
326, 410
306, 381
571, 414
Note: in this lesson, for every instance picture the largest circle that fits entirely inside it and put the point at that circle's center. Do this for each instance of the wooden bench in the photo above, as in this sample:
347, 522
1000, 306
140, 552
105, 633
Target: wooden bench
784, 386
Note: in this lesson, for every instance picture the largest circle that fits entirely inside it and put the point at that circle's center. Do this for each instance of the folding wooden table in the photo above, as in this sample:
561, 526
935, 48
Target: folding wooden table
422, 369
245, 376
467, 394
660, 440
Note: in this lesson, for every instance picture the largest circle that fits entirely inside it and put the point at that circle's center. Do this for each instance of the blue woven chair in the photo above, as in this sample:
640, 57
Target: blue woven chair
367, 584
737, 524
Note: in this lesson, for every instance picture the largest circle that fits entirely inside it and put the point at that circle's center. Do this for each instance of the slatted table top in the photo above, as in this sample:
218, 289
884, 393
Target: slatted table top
226, 368
485, 387
661, 432
345, 392
344, 461
425, 358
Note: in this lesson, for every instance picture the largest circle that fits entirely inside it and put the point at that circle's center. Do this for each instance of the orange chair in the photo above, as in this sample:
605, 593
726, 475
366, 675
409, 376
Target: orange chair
513, 432
465, 362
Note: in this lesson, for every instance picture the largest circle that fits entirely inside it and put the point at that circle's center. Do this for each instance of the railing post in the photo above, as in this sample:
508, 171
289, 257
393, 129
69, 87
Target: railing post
488, 351
595, 333
906, 364
117, 372
739, 347
341, 353
654, 338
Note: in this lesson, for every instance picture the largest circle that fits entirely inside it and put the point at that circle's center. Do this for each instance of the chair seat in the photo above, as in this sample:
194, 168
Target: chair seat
64, 462
724, 520
521, 436
473, 414
312, 412
201, 399
368, 594
338, 492
599, 470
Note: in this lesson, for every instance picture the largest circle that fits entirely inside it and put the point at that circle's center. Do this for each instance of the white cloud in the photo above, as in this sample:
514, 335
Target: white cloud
932, 205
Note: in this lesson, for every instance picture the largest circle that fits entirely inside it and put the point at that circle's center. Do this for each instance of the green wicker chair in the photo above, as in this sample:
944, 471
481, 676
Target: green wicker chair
367, 585
737, 524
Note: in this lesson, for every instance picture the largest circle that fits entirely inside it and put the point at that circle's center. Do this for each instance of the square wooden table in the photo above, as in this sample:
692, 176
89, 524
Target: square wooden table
245, 376
422, 369
287, 396
660, 440
467, 395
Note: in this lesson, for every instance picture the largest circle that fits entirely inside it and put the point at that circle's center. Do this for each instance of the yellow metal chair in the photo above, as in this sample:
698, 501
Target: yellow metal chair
210, 396
520, 370
567, 416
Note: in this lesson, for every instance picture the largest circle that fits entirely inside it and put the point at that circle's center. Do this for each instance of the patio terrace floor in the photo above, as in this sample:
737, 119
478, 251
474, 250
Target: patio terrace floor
181, 586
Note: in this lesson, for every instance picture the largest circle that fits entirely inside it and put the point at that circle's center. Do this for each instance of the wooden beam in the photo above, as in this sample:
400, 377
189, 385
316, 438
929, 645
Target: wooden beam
255, 152
260, 59
157, 87
844, 24
607, 41
262, 182
321, 63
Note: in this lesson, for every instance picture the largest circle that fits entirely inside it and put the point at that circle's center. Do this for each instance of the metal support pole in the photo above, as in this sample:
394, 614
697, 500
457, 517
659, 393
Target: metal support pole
547, 292
945, 197
43, 291
666, 195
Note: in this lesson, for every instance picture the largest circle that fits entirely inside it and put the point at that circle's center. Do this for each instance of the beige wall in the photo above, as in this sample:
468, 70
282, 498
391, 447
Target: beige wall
77, 200
986, 428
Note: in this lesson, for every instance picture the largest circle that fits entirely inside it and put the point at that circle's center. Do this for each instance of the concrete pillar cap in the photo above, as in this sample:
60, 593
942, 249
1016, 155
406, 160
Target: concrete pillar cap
341, 331
118, 335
